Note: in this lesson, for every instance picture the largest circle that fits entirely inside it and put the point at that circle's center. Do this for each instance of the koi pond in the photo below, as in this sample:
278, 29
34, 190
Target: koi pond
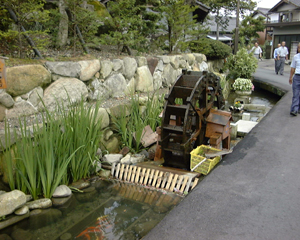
111, 210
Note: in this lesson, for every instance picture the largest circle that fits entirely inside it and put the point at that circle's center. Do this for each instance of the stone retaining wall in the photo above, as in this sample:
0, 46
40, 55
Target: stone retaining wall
92, 80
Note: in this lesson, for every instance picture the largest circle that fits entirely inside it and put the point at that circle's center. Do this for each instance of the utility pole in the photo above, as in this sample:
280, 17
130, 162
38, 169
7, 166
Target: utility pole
236, 38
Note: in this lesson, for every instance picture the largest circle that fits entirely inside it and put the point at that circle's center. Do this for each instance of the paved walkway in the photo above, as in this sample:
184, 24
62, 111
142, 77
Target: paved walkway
254, 193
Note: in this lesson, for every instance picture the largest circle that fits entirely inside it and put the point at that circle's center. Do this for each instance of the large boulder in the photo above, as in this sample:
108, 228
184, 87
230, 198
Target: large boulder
203, 66
175, 61
35, 96
21, 108
159, 66
61, 90
106, 68
118, 65
88, 69
157, 80
6, 100
190, 58
141, 61
165, 59
97, 90
64, 69
200, 57
11, 201
23, 79
116, 85
102, 116
130, 88
169, 75
144, 79
130, 66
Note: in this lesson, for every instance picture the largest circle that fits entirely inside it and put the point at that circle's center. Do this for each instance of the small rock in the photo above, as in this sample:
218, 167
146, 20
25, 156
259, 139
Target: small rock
104, 173
145, 153
137, 158
125, 150
81, 184
21, 211
40, 203
28, 198
62, 191
11, 201
112, 158
57, 202
66, 236
126, 159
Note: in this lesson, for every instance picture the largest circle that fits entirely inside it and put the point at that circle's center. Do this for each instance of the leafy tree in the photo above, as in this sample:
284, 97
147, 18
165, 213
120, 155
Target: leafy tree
82, 19
180, 24
223, 9
125, 25
28, 19
250, 26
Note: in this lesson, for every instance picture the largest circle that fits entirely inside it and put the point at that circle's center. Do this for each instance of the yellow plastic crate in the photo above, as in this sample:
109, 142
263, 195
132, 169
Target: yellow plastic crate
208, 164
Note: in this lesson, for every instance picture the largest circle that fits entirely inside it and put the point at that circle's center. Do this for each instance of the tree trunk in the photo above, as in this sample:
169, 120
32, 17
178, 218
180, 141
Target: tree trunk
218, 31
62, 36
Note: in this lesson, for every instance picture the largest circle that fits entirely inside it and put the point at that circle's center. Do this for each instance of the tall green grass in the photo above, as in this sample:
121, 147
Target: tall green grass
60, 150
131, 127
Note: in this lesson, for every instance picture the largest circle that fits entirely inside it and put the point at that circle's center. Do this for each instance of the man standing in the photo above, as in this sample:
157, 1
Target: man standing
282, 55
295, 71
256, 51
275, 58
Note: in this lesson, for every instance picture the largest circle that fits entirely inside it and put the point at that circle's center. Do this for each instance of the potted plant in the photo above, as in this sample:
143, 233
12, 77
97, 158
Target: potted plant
243, 86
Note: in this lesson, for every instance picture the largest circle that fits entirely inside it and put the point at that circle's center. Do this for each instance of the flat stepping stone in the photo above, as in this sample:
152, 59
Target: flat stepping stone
244, 127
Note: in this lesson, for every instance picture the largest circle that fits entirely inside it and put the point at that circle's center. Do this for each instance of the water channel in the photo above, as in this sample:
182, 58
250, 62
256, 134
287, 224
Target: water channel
110, 209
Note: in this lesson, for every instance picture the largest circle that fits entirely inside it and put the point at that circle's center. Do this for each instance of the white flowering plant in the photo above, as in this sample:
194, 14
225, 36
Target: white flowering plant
243, 84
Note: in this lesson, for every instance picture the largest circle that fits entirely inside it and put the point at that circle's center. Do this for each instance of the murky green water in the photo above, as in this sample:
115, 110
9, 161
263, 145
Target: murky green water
113, 210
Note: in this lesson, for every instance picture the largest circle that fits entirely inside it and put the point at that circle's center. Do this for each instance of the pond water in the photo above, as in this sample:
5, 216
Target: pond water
113, 210
258, 96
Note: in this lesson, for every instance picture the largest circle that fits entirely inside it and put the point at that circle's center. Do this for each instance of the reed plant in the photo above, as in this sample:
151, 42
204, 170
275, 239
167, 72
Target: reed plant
131, 127
60, 149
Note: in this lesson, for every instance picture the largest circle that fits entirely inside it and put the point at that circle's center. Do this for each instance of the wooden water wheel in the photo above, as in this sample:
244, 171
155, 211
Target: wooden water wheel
186, 107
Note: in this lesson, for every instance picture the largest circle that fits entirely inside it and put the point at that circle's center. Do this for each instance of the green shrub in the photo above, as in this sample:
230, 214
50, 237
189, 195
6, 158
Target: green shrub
211, 48
241, 65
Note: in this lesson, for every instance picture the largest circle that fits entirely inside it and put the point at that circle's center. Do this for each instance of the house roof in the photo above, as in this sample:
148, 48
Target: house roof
296, 3
262, 11
229, 28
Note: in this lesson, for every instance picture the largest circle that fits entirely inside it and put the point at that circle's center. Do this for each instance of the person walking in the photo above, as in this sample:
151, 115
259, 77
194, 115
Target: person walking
256, 51
294, 80
275, 58
282, 55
